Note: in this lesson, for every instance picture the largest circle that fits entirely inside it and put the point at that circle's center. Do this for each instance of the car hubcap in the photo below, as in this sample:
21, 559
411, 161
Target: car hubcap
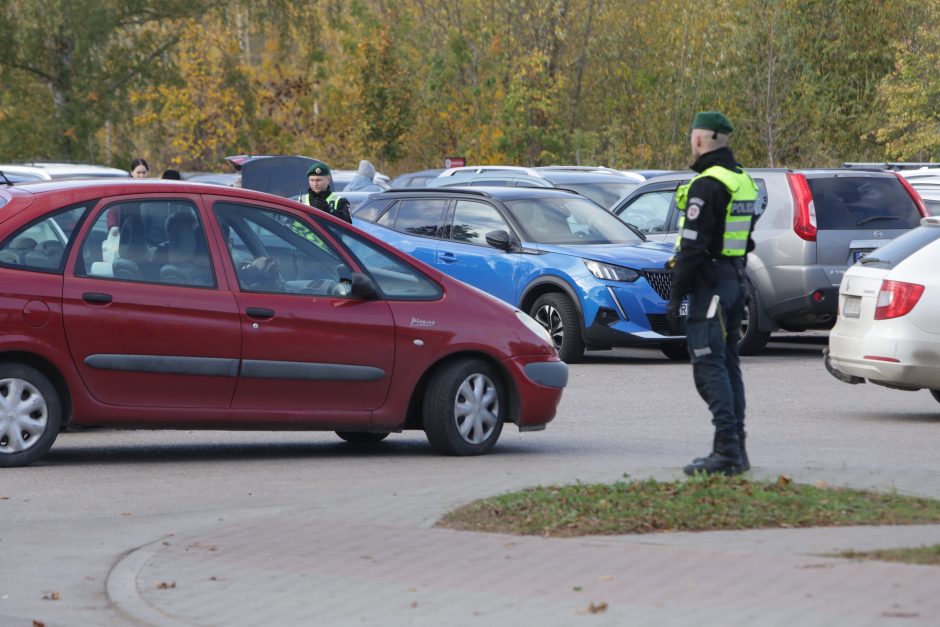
23, 415
549, 318
476, 408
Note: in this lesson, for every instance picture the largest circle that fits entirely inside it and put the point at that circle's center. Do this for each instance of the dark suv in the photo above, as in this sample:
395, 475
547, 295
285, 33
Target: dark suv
813, 225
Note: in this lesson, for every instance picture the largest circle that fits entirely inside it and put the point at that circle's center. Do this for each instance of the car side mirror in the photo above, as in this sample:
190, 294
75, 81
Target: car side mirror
499, 239
362, 287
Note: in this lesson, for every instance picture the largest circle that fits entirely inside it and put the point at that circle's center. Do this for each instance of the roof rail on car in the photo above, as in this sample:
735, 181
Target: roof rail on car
438, 190
891, 165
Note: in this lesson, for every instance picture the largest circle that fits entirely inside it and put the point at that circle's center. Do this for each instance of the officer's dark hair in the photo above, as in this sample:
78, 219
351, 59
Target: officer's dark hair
139, 161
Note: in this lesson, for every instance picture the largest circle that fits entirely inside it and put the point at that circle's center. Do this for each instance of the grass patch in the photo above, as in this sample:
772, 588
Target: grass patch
700, 504
927, 555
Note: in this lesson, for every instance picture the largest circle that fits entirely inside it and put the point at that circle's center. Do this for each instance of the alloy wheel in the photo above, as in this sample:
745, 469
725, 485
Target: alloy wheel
550, 318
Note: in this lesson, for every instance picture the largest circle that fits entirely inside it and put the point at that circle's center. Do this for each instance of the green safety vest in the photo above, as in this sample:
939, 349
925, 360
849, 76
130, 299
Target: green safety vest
739, 215
332, 200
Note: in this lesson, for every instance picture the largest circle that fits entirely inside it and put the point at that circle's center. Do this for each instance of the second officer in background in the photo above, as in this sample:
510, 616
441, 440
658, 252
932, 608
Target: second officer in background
320, 194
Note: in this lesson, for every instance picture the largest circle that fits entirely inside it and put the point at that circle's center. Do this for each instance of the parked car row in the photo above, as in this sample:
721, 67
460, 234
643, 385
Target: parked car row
813, 224
602, 185
811, 227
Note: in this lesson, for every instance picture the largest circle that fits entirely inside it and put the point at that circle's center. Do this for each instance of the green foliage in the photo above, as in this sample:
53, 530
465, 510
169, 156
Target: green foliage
407, 82
910, 97
82, 58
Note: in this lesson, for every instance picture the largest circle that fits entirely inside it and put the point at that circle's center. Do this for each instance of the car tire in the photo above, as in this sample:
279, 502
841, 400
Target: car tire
936, 395
561, 319
753, 340
676, 351
30, 415
362, 437
463, 408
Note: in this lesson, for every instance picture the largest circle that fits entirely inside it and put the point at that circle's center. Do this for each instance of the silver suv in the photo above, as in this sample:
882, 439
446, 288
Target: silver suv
813, 225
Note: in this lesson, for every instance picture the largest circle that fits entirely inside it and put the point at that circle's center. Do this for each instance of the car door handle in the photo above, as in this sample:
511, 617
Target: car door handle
448, 257
97, 297
259, 312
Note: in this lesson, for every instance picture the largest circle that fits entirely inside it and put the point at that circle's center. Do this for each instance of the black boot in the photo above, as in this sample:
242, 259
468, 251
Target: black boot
724, 459
745, 463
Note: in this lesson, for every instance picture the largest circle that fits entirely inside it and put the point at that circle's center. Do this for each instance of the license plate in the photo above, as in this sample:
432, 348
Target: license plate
852, 306
684, 309
858, 254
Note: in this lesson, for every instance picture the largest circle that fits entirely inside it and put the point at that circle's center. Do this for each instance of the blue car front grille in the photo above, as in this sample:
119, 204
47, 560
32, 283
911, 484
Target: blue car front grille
660, 280
659, 324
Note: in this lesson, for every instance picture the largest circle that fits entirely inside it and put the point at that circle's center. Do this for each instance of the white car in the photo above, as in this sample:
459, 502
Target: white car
926, 181
59, 171
888, 328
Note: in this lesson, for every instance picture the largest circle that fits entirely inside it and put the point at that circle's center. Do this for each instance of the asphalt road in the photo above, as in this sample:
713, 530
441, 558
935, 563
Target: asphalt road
98, 495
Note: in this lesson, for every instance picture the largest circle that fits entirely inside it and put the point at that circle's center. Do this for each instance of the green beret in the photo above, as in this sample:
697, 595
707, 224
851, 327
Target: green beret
713, 121
318, 168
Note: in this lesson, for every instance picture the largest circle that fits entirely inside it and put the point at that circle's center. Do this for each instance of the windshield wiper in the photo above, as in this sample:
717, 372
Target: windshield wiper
869, 259
8, 181
866, 220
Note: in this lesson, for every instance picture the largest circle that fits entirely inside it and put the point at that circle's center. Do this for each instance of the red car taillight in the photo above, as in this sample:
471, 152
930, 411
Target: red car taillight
914, 195
896, 299
804, 214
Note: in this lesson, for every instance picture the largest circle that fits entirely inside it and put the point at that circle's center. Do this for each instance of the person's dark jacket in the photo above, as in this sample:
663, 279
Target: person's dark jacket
318, 201
695, 260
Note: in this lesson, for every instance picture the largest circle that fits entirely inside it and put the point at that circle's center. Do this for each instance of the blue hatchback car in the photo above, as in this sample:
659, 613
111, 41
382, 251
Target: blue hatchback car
588, 278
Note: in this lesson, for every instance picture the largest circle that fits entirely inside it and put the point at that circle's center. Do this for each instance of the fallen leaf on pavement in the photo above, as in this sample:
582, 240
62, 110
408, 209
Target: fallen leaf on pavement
594, 608
784, 480
165, 585
51, 596
605, 578
900, 614
822, 565
38, 623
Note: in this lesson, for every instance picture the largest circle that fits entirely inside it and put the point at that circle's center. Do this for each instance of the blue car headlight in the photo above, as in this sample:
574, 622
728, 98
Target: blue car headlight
609, 272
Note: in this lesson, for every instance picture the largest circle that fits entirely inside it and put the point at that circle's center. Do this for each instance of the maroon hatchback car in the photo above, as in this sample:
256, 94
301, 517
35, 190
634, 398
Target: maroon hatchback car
162, 304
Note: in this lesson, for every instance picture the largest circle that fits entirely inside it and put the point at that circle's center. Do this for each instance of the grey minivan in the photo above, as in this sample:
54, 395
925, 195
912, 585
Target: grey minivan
812, 225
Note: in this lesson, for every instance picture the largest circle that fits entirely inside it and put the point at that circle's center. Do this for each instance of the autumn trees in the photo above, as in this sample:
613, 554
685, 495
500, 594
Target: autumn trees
405, 82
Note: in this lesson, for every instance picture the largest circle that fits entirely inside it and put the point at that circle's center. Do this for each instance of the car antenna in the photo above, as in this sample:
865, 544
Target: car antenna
8, 181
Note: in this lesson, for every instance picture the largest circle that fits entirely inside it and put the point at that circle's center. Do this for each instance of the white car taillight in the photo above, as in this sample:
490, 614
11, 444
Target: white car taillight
896, 298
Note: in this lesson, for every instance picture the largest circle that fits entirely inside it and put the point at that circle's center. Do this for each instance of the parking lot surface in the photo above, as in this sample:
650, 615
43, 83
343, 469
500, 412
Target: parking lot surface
244, 528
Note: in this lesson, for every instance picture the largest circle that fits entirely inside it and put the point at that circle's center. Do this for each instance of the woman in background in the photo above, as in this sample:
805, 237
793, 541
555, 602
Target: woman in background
139, 168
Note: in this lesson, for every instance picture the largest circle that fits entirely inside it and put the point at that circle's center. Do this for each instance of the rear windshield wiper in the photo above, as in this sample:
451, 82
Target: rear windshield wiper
867, 220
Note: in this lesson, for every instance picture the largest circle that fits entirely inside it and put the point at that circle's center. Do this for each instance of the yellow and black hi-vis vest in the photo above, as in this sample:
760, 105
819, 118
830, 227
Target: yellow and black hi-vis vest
331, 200
739, 215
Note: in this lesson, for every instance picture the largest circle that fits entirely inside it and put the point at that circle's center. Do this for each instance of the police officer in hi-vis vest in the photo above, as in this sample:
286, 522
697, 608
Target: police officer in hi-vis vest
320, 193
717, 210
